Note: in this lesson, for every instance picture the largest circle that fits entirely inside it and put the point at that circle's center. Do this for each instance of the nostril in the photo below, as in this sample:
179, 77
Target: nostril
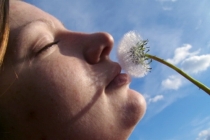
92, 54
107, 42
98, 47
106, 51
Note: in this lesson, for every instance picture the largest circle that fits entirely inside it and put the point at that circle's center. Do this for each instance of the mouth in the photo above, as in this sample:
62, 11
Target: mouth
118, 79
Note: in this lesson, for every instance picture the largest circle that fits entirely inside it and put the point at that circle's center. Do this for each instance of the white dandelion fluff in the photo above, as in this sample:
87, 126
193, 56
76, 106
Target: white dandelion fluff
131, 55
133, 58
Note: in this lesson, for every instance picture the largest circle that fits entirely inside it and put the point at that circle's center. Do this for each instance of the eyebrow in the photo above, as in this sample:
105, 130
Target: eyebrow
46, 22
49, 23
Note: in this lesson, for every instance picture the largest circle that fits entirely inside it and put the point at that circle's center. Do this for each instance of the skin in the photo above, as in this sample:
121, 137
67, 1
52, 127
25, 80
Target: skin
67, 90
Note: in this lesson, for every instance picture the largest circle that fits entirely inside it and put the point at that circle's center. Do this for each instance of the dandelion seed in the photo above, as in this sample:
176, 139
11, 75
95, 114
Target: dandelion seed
133, 58
132, 55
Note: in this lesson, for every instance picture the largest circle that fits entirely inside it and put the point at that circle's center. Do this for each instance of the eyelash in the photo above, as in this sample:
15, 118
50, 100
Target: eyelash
47, 46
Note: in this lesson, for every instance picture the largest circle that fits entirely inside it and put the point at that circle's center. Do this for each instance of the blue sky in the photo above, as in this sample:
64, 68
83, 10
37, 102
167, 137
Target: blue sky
178, 31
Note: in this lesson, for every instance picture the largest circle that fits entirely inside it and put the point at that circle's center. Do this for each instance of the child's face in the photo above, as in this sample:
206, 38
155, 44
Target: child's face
69, 89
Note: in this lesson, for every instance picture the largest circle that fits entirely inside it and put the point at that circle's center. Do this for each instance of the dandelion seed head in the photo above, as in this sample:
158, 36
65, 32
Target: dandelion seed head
131, 56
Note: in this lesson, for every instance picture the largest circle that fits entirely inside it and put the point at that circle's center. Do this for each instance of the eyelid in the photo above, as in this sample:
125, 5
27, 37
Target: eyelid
47, 46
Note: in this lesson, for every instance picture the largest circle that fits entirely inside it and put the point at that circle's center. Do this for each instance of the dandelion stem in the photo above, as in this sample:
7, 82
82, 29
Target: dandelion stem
197, 83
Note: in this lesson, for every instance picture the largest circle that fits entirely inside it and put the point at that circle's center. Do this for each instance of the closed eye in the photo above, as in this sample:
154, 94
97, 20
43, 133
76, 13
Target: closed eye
47, 47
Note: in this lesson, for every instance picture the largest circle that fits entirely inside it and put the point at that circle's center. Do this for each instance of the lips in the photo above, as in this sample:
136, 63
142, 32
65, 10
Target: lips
121, 79
118, 79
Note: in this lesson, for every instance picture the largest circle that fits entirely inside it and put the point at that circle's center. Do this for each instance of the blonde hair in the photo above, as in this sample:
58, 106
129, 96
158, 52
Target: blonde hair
4, 28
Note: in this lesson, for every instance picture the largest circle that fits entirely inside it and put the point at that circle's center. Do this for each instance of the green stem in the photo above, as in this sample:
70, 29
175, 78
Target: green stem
197, 83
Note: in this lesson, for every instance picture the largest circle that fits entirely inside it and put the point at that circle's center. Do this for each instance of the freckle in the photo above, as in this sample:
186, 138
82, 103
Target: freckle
32, 115
111, 127
43, 138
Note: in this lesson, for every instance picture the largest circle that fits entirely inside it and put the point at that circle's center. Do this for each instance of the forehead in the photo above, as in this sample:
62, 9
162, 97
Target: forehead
21, 16
22, 13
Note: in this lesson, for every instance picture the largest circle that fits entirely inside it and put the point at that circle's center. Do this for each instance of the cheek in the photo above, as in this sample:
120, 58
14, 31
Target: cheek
62, 93
51, 95
64, 84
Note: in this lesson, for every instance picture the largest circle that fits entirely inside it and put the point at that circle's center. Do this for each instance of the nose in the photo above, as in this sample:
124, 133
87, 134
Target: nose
98, 47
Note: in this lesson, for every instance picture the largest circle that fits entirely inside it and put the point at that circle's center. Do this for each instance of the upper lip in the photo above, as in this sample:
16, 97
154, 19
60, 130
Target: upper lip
116, 70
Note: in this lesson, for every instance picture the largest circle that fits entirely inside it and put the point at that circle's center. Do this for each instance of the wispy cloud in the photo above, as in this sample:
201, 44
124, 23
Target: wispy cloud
155, 99
162, 102
181, 53
167, 5
201, 127
166, 0
172, 82
167, 8
200, 122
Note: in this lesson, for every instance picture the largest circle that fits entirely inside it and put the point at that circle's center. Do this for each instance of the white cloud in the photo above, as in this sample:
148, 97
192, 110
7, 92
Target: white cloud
204, 135
181, 53
195, 64
155, 99
172, 82
190, 61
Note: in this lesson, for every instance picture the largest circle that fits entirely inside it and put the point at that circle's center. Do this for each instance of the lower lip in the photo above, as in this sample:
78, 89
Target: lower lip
120, 79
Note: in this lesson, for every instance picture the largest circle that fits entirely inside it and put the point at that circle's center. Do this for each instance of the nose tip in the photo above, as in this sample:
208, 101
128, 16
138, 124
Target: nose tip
108, 42
99, 46
107, 38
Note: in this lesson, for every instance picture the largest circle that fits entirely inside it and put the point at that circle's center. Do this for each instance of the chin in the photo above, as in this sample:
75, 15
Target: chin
134, 109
